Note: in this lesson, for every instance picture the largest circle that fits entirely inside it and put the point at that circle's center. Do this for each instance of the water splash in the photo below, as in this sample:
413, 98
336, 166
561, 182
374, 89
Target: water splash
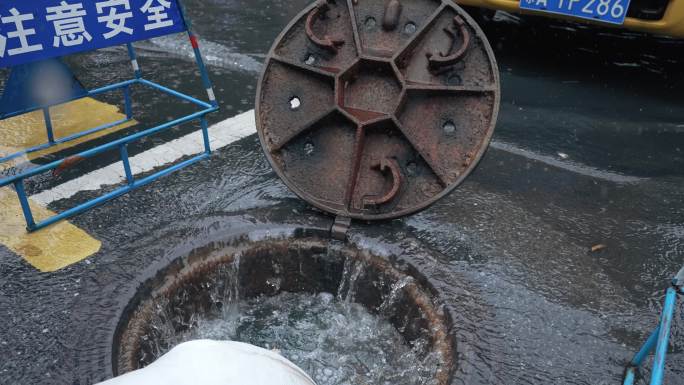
226, 295
394, 295
350, 277
336, 341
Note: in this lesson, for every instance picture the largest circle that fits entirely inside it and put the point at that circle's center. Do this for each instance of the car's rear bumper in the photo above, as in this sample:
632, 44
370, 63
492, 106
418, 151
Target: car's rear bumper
671, 23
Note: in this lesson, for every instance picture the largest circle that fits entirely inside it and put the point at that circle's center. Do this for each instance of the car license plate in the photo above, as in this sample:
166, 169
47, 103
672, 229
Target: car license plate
609, 11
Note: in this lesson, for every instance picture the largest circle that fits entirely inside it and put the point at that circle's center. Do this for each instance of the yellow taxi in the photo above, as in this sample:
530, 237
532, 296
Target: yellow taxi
664, 17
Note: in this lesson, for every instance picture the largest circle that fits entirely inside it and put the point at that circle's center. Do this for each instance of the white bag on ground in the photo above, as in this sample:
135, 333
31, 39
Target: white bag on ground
205, 362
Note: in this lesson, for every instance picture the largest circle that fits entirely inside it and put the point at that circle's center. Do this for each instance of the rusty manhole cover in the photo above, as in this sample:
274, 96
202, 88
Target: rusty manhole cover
375, 109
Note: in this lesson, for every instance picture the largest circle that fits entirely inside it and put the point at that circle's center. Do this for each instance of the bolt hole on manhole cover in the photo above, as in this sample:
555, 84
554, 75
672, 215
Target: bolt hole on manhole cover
410, 28
310, 60
404, 97
449, 127
295, 103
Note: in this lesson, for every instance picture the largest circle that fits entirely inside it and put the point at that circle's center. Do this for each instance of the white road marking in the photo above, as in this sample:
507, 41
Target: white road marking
566, 164
241, 126
220, 135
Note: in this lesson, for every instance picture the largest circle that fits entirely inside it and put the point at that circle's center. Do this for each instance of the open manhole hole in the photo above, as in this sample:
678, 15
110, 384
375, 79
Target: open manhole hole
344, 315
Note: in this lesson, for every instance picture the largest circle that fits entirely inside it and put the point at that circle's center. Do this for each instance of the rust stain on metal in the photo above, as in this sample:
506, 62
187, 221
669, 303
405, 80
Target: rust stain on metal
66, 164
392, 114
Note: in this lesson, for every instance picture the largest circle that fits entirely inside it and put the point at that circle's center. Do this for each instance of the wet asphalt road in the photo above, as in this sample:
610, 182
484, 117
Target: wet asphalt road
589, 150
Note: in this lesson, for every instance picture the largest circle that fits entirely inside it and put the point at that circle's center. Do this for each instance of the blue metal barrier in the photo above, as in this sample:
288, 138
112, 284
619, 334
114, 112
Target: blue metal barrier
173, 21
659, 338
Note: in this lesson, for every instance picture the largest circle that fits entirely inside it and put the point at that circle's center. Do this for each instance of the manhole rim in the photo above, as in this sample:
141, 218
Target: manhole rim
245, 243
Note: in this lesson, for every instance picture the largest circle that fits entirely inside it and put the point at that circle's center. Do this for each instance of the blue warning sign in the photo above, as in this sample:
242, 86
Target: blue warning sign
32, 30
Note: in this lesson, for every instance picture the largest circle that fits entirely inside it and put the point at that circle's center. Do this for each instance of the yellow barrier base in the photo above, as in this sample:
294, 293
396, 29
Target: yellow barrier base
49, 249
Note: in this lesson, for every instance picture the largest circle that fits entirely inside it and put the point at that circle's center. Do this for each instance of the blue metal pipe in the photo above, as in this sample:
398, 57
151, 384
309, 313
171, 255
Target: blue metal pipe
113, 87
198, 57
647, 348
128, 104
25, 207
123, 151
663, 337
27, 151
91, 131
48, 125
111, 145
116, 193
176, 94
169, 170
203, 70
205, 135
134, 61
630, 376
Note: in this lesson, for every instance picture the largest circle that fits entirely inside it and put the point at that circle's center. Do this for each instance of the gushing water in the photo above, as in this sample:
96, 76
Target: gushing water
336, 341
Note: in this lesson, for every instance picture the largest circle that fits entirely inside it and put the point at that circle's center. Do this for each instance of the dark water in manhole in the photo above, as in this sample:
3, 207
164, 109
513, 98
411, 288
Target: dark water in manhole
343, 315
